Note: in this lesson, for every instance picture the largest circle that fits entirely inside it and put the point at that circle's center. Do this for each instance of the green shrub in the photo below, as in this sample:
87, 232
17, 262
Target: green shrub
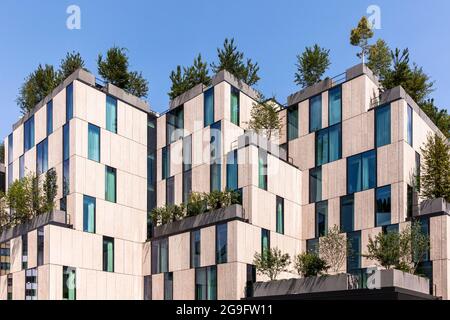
196, 204
309, 264
271, 262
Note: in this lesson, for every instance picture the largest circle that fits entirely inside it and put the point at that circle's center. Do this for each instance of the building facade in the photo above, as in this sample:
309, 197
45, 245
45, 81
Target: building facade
346, 156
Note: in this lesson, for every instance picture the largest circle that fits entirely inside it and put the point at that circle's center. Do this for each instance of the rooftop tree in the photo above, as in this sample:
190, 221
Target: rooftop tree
271, 263
232, 60
439, 116
311, 65
71, 63
380, 59
360, 36
264, 118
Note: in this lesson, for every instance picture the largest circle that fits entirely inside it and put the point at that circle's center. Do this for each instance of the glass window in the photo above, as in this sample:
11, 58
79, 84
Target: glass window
187, 185
151, 181
10, 148
328, 145
110, 184
93, 142
206, 283
354, 256
321, 219
390, 228
410, 126
262, 169
21, 167
24, 251
50, 117
315, 113
66, 177
383, 206
148, 288
265, 241
334, 105
31, 284
418, 171
215, 179
280, 215
187, 153
208, 108
425, 228
175, 124
383, 125
170, 191
312, 245
292, 119
69, 283
347, 213
215, 141
409, 202
160, 256
232, 170
195, 249
111, 114
69, 102
221, 243
5, 258
66, 142
28, 139
40, 246
66, 159
361, 172
315, 185
42, 157
168, 286
9, 281
108, 254
89, 204
234, 106
165, 162
10, 173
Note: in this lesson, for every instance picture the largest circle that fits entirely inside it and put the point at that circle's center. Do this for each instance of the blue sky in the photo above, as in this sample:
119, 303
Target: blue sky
162, 34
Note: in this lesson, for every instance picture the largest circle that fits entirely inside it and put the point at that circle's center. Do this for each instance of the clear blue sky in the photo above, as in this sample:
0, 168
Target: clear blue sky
162, 34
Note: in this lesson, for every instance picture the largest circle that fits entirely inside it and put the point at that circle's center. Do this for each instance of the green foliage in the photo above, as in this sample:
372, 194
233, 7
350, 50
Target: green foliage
435, 168
271, 263
4, 215
196, 204
71, 63
36, 87
311, 65
380, 59
420, 244
50, 189
334, 248
232, 60
191, 76
440, 117
385, 249
360, 36
264, 118
114, 69
309, 264
2, 153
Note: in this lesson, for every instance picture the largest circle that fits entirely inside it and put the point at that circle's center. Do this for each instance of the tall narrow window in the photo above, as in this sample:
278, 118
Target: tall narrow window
347, 213
110, 184
151, 181
168, 286
31, 284
262, 169
221, 243
232, 170
315, 113
292, 120
10, 173
69, 102
409, 201
334, 105
328, 145
160, 256
66, 161
108, 254
383, 206
111, 114
315, 185
187, 185
10, 148
50, 117
195, 249
24, 251
170, 191
321, 219
42, 157
21, 167
93, 142
28, 139
216, 154
361, 172
5, 258
265, 241
208, 107
9, 281
148, 288
383, 125
354, 256
410, 126
165, 162
206, 283
234, 106
215, 179
69, 284
280, 215
418, 171
175, 124
187, 153
40, 246
89, 204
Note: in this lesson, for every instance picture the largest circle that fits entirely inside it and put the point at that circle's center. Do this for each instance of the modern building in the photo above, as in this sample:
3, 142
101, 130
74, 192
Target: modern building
346, 156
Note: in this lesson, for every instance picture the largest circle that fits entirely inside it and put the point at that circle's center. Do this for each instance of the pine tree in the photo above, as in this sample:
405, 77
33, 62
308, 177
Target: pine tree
380, 59
72, 62
435, 168
311, 65
360, 36
440, 117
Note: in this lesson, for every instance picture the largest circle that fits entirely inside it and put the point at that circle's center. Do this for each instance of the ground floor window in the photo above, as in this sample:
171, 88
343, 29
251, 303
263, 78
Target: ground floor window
31, 284
206, 283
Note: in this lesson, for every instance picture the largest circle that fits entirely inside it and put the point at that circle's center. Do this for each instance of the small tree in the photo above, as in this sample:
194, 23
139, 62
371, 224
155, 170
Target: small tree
380, 59
50, 189
71, 63
360, 36
4, 216
385, 249
232, 60
311, 65
440, 117
435, 168
271, 263
334, 248
420, 244
264, 118
309, 264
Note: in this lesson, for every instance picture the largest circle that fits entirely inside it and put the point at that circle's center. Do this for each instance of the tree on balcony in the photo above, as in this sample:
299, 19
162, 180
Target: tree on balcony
114, 68
435, 168
271, 263
311, 65
264, 118
309, 264
380, 59
334, 248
